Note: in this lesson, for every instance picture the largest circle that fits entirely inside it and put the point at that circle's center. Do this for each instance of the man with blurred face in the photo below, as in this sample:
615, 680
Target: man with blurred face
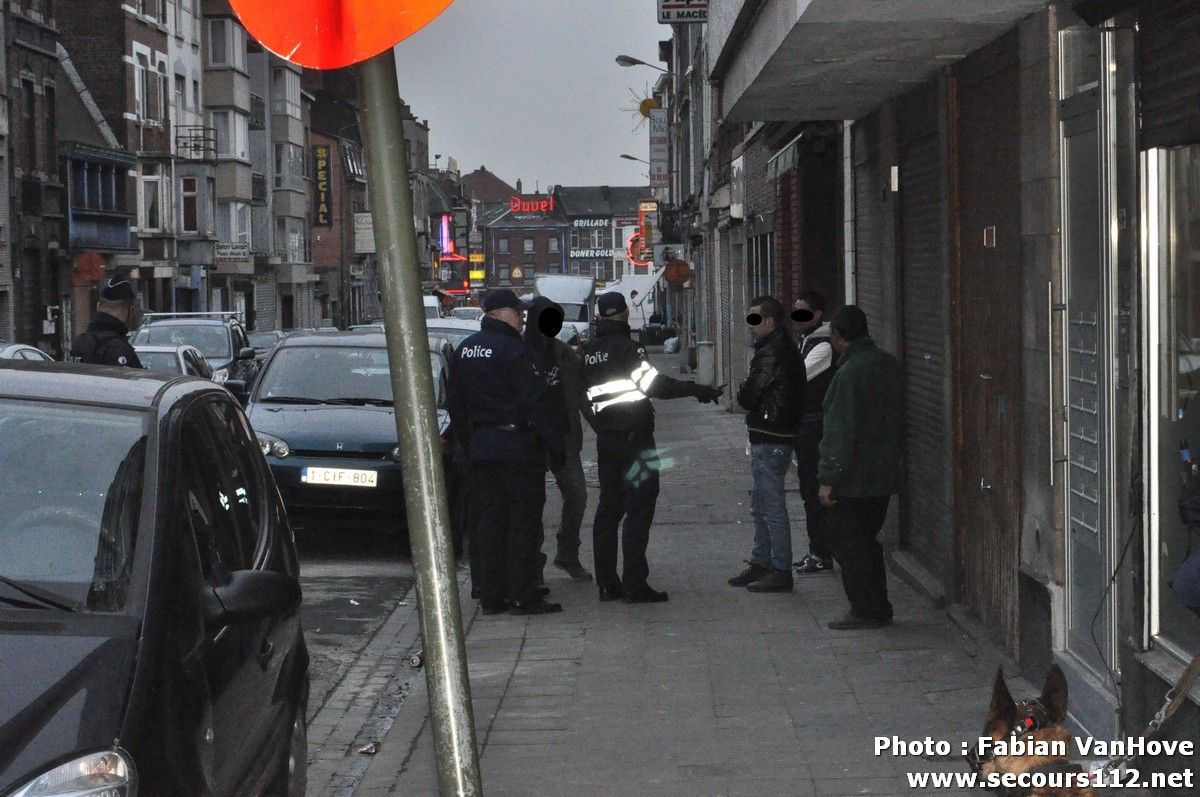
808, 312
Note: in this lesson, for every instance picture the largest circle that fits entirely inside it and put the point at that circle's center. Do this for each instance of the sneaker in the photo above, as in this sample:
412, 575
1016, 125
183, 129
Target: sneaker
774, 581
852, 622
752, 573
536, 607
812, 564
644, 593
575, 570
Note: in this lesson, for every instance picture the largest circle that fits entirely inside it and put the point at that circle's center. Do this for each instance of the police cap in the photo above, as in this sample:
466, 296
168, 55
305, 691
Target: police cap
500, 298
117, 289
611, 304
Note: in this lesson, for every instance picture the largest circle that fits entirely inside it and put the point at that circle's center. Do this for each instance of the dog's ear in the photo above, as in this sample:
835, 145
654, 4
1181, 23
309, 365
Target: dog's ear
1003, 712
1054, 694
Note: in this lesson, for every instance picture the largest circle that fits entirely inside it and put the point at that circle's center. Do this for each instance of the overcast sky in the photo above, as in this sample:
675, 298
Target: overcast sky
529, 88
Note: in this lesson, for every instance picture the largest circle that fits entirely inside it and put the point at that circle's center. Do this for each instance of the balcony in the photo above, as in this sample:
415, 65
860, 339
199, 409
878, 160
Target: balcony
833, 59
195, 142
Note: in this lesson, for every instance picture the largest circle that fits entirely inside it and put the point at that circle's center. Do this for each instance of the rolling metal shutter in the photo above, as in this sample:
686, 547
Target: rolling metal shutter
927, 522
266, 314
869, 223
1169, 71
304, 305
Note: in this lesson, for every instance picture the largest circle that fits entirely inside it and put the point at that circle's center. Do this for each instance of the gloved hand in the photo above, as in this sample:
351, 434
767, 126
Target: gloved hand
707, 394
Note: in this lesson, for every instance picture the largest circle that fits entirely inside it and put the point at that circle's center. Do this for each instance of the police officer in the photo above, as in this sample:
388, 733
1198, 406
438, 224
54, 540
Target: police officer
621, 381
499, 402
106, 341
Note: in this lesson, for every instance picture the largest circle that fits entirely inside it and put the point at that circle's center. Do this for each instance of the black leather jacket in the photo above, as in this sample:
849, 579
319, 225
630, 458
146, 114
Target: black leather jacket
773, 393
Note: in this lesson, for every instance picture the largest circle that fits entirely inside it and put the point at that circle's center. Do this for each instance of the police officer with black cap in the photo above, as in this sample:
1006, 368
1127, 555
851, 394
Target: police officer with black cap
106, 341
621, 381
499, 407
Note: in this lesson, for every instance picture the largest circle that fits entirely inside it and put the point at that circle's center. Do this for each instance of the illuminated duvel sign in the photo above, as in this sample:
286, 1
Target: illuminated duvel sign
531, 205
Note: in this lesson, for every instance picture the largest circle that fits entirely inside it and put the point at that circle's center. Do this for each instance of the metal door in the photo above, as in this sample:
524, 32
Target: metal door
926, 517
1086, 268
989, 340
869, 221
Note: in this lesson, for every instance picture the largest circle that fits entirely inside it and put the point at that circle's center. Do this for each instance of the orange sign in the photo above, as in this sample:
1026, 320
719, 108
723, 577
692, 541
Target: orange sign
328, 34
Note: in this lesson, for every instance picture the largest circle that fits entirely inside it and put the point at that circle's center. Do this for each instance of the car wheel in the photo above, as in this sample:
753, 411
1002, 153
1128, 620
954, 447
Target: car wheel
292, 780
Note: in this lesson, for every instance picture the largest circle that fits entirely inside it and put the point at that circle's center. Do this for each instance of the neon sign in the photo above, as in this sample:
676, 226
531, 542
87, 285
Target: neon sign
635, 251
448, 252
519, 204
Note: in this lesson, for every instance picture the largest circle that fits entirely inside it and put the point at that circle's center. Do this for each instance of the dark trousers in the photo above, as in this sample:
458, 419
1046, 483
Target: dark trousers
808, 441
571, 484
506, 506
628, 469
853, 525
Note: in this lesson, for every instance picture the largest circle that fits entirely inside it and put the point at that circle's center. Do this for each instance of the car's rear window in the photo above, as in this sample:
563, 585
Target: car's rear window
69, 522
159, 361
211, 339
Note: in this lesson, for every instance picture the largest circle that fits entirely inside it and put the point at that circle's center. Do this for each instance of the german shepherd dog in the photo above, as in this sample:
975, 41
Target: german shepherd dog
1028, 738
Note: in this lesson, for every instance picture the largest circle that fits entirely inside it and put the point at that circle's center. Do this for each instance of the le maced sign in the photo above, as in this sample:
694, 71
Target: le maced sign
671, 12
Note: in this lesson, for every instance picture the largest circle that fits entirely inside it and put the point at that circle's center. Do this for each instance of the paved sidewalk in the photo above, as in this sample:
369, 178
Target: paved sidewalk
719, 692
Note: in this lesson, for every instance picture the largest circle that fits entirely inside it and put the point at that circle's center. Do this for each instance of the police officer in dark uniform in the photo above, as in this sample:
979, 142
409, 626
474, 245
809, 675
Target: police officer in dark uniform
106, 341
499, 402
621, 381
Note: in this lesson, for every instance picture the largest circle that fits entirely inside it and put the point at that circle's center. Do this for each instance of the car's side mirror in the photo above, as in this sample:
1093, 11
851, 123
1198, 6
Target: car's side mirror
247, 354
239, 389
253, 595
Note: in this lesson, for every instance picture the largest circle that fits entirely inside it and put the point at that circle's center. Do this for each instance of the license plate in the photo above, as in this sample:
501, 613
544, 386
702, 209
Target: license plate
340, 477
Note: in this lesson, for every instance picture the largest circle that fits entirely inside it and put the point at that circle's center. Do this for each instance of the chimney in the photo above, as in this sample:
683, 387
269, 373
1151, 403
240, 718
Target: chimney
518, 185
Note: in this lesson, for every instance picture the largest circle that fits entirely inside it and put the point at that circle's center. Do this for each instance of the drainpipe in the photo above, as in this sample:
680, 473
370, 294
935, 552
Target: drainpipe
848, 211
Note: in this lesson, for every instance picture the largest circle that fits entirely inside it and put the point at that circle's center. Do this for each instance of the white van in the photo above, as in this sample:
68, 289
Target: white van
576, 296
433, 307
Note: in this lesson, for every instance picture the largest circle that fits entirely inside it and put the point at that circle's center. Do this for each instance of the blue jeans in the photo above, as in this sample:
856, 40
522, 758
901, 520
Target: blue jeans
769, 463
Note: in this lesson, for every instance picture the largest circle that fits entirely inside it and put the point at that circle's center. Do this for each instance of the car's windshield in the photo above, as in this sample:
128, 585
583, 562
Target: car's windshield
159, 361
263, 340
211, 339
69, 522
575, 312
331, 373
467, 313
432, 311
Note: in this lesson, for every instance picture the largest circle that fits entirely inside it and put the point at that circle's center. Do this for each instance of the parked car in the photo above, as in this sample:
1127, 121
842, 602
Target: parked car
262, 342
467, 313
325, 420
454, 330
19, 351
220, 337
149, 592
174, 359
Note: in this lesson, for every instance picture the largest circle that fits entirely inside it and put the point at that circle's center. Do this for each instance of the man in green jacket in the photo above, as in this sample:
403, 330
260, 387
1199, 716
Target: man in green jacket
862, 460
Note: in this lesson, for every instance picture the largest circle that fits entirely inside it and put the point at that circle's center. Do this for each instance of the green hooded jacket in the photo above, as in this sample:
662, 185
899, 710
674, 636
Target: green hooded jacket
862, 448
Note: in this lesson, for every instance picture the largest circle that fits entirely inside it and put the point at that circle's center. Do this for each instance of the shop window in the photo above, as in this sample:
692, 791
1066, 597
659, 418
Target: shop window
1178, 404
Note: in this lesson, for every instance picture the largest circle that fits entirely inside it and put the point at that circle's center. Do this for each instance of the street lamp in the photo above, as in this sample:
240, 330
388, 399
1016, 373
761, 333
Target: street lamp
632, 158
629, 60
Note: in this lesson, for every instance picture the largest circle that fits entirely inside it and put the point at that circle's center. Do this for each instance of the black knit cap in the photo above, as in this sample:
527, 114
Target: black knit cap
117, 289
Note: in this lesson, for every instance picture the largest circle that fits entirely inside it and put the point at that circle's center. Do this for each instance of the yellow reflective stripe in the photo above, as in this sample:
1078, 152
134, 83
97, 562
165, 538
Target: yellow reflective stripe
625, 398
620, 385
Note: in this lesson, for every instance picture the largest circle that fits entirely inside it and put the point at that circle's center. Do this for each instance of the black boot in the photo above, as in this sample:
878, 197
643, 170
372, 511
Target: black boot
611, 592
752, 573
772, 581
644, 593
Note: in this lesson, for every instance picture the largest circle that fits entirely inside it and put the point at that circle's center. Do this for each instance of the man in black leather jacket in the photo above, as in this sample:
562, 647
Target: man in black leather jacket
773, 396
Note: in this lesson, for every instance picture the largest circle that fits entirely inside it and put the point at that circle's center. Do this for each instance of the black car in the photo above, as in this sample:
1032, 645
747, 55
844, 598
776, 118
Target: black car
262, 342
149, 635
323, 412
220, 337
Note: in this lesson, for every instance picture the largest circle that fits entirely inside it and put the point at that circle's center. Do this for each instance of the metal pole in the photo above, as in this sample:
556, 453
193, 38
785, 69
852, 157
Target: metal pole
412, 384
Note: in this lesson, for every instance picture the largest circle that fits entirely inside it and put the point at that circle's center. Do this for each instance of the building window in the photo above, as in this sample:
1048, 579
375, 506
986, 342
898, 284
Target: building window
189, 204
29, 158
527, 246
290, 239
233, 134
233, 223
1176, 410
196, 95
285, 92
503, 244
289, 166
226, 44
352, 160
180, 95
152, 9
552, 246
151, 211
503, 273
575, 239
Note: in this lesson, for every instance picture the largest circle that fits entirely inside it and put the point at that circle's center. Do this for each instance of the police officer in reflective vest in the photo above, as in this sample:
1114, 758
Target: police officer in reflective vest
106, 341
621, 381
509, 433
